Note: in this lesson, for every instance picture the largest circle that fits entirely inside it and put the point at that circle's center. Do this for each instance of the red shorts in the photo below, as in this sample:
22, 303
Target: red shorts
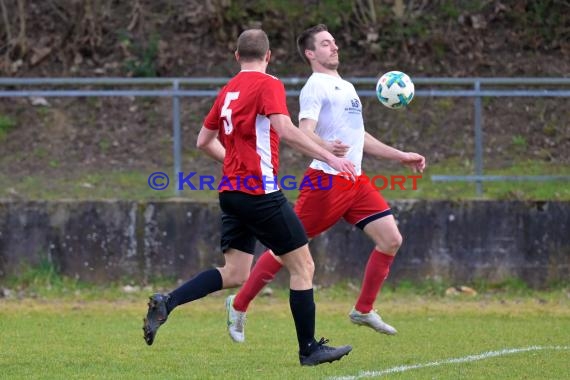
332, 197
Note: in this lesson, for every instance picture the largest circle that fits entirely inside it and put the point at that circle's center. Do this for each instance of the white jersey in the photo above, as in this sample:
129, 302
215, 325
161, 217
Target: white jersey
335, 105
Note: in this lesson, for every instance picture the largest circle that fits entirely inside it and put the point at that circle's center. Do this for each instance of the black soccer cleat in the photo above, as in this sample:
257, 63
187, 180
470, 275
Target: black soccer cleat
155, 317
323, 354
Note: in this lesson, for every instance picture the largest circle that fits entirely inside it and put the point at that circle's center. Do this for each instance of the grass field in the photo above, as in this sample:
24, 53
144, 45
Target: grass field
482, 337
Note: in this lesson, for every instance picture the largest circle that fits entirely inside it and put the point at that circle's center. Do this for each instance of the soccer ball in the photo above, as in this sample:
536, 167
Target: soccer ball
395, 89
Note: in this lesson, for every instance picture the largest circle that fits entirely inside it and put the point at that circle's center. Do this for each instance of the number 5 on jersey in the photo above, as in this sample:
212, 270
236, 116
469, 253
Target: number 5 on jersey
227, 111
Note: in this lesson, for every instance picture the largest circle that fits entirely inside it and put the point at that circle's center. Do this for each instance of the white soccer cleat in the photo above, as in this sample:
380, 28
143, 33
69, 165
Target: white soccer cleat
236, 321
372, 320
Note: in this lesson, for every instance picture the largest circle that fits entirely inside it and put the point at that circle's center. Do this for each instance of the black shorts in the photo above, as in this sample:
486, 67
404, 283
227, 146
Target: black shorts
268, 218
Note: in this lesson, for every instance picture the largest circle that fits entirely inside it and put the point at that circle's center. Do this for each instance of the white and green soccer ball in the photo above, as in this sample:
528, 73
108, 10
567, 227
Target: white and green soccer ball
395, 89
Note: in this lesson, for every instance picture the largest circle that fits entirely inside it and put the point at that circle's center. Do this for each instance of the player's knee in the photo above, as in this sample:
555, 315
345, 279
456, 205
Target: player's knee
234, 277
235, 282
310, 268
305, 269
391, 244
241, 278
398, 240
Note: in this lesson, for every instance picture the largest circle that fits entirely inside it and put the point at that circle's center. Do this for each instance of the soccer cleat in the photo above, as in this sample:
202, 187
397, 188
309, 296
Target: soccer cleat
324, 354
235, 321
372, 320
155, 317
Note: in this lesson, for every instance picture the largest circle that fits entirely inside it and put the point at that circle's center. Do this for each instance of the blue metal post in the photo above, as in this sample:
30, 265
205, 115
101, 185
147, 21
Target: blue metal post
176, 135
478, 140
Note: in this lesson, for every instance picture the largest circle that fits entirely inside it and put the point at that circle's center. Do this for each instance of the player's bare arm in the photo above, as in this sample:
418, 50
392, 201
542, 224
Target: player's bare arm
208, 142
336, 147
378, 149
297, 140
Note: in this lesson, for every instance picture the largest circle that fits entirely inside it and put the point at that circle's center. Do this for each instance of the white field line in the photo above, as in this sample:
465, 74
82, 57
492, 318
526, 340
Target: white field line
464, 359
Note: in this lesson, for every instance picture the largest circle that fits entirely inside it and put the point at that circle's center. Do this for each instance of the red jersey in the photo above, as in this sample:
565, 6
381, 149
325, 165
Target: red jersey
241, 114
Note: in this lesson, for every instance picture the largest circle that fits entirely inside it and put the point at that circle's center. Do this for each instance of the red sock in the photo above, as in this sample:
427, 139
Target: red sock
262, 273
376, 272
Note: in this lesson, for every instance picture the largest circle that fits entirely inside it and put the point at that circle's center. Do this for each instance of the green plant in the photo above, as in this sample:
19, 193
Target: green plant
43, 275
445, 104
429, 287
450, 10
510, 287
6, 123
519, 141
487, 101
538, 22
104, 145
40, 152
145, 56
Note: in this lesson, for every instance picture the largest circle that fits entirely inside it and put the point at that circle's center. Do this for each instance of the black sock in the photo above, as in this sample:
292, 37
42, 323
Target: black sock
200, 286
303, 309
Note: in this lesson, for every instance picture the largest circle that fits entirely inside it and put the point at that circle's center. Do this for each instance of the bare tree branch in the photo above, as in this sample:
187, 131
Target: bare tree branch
22, 39
6, 22
135, 15
58, 11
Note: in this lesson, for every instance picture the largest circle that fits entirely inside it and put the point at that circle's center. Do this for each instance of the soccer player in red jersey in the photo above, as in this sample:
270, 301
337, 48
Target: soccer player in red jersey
251, 114
331, 115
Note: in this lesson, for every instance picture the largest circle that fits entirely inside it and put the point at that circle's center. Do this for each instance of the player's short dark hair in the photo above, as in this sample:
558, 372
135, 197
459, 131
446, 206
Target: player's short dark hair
252, 45
306, 39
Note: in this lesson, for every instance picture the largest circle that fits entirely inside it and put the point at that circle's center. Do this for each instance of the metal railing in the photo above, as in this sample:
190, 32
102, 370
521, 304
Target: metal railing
175, 92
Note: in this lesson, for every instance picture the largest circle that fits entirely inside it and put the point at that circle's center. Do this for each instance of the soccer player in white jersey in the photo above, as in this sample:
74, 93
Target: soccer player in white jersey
331, 115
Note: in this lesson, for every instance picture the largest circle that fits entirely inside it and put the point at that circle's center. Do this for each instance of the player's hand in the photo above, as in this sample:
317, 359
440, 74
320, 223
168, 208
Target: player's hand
344, 166
337, 147
414, 161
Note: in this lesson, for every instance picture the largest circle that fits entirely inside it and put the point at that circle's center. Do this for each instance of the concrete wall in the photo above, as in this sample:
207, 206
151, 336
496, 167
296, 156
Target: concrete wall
128, 241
